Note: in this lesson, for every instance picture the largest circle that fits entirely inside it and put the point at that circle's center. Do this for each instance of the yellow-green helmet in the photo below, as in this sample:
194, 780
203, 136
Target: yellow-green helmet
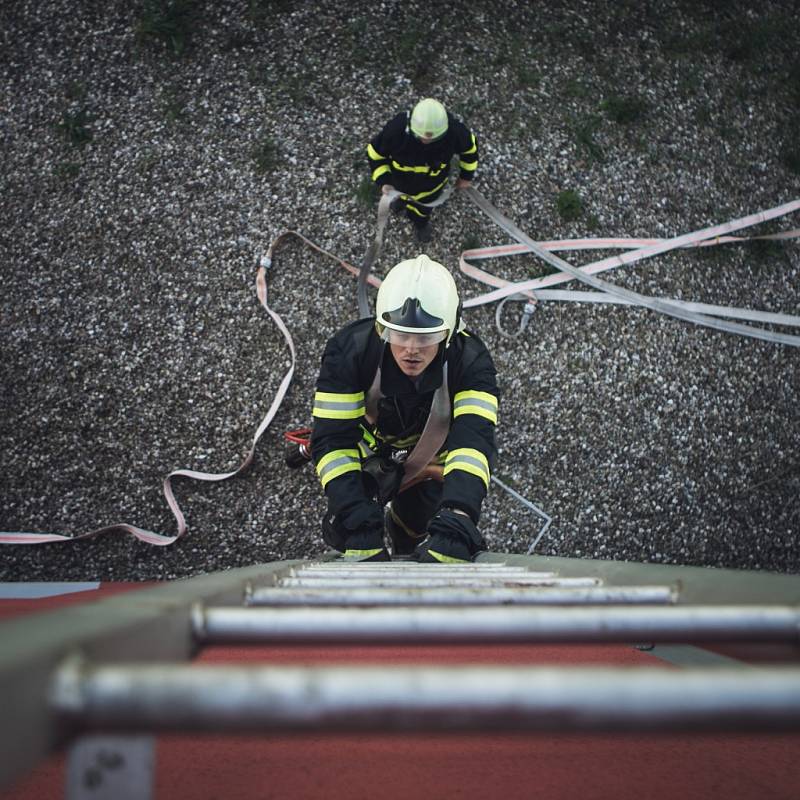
429, 119
418, 297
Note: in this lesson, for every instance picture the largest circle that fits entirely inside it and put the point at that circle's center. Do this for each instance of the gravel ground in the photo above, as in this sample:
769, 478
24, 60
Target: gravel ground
133, 343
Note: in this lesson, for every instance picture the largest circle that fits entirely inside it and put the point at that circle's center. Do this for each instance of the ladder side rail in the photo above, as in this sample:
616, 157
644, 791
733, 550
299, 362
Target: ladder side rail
143, 624
697, 585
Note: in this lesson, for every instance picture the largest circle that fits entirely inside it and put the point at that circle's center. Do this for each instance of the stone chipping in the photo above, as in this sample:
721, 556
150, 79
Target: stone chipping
139, 188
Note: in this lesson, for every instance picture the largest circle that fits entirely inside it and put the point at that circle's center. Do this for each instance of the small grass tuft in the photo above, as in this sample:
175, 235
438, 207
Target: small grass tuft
575, 88
689, 82
67, 170
366, 192
261, 12
584, 130
76, 91
471, 242
748, 43
266, 154
793, 83
624, 110
528, 77
415, 54
74, 127
790, 156
360, 50
173, 105
171, 22
765, 250
569, 205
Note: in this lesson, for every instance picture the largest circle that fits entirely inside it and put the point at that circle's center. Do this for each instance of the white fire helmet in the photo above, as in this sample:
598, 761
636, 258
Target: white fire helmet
429, 120
418, 300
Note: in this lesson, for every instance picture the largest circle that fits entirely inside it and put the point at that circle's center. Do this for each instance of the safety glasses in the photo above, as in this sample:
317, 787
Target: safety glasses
412, 340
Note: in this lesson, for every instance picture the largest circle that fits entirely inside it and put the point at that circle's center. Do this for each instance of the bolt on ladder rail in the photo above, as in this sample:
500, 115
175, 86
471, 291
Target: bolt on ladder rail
124, 663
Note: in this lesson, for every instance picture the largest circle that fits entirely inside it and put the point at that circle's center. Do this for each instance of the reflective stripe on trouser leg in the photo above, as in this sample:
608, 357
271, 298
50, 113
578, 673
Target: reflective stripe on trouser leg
469, 460
416, 213
419, 214
336, 463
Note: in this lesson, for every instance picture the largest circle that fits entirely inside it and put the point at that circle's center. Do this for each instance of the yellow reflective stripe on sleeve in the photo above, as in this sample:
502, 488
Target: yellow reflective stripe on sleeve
424, 168
373, 153
429, 192
481, 403
380, 171
468, 460
469, 165
336, 463
329, 405
362, 553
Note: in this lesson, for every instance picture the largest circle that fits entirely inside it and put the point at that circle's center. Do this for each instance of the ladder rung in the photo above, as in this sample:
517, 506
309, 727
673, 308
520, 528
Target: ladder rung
401, 582
586, 624
421, 572
238, 698
414, 566
561, 594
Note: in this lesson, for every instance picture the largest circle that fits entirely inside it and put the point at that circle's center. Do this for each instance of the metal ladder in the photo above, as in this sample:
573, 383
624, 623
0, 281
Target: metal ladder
124, 664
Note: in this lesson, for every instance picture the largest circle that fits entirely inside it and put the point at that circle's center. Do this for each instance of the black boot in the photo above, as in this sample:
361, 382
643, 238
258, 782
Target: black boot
365, 547
424, 232
403, 542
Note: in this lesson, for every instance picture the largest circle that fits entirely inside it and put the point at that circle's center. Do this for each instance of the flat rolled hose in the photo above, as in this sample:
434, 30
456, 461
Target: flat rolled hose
371, 256
372, 253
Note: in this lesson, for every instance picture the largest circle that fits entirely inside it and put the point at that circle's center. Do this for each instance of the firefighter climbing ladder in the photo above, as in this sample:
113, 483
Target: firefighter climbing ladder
123, 664
697, 313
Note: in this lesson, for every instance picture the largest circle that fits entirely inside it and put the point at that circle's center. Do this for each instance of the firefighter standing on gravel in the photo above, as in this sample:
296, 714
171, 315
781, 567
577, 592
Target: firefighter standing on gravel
382, 381
412, 155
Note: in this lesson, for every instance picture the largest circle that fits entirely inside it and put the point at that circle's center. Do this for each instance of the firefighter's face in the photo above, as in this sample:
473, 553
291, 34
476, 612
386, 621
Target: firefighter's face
412, 357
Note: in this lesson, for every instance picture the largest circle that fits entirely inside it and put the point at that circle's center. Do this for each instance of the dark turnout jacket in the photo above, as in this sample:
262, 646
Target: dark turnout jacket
398, 158
349, 366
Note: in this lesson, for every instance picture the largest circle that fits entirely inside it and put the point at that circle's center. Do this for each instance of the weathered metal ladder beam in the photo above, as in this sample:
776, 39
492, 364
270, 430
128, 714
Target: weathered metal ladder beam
118, 664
